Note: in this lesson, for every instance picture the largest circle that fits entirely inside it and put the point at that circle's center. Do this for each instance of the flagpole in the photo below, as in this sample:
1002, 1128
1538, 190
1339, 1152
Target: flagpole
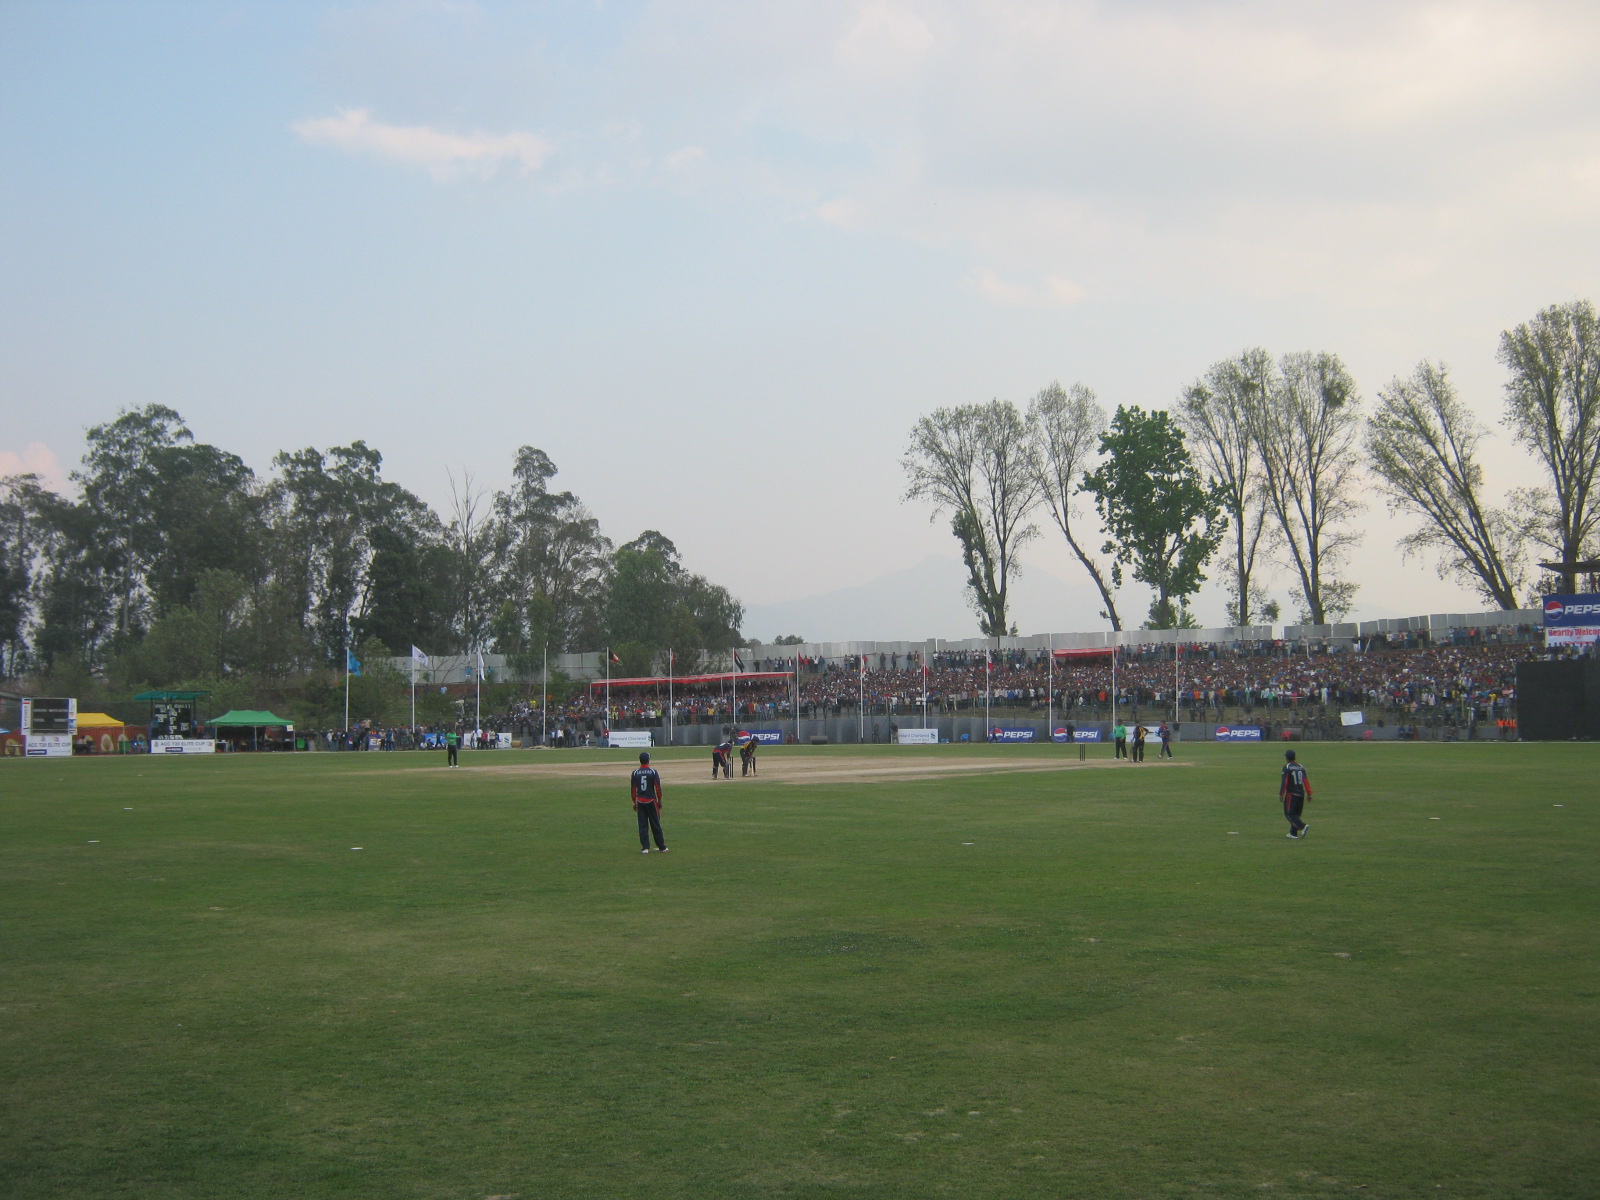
347, 674
1050, 688
1174, 684
1113, 685
544, 697
671, 667
413, 691
607, 724
861, 696
477, 702
988, 693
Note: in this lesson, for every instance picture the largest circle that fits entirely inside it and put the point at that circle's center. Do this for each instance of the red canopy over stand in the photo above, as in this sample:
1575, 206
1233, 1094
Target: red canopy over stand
1096, 652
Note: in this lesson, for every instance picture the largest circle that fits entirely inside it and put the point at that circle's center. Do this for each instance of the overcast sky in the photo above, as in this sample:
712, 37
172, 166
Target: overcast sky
716, 257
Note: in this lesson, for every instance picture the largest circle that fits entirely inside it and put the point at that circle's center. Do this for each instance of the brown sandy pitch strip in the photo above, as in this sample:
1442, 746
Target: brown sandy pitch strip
784, 767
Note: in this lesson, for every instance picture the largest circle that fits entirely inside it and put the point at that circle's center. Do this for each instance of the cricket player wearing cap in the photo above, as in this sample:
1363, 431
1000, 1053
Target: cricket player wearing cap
645, 787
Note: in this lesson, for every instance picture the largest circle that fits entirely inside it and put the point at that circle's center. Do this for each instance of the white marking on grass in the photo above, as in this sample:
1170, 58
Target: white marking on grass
1341, 954
1233, 833
355, 847
94, 841
1435, 818
975, 843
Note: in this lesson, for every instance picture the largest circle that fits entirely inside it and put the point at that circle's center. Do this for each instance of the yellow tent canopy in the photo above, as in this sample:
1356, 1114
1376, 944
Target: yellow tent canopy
98, 721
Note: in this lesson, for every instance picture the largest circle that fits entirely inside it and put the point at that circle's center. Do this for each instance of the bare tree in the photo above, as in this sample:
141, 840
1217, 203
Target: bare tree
973, 462
1064, 428
1553, 408
1306, 430
1422, 445
1218, 413
471, 538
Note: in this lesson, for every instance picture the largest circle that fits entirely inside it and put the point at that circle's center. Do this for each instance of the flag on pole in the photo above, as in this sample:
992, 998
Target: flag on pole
616, 660
738, 663
352, 664
417, 656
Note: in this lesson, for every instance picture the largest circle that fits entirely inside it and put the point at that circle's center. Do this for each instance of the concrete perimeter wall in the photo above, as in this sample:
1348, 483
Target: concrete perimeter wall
590, 665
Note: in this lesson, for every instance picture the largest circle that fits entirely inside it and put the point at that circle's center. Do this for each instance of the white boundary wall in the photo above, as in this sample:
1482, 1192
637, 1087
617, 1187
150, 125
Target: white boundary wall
456, 669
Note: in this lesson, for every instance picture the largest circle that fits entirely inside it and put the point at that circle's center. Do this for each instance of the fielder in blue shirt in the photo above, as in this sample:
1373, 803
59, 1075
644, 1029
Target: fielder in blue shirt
645, 787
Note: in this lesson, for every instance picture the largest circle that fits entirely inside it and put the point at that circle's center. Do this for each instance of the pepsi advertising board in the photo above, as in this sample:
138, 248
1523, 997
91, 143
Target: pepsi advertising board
999, 734
1571, 620
767, 737
1238, 733
1061, 734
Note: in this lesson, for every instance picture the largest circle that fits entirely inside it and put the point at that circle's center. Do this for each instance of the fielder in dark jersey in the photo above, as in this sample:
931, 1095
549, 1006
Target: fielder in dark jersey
645, 787
1294, 791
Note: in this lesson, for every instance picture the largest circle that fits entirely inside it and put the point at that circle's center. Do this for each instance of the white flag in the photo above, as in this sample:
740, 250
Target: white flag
480, 665
417, 656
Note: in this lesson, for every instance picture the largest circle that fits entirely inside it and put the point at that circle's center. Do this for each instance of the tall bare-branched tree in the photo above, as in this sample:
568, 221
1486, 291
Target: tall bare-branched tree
1553, 408
1306, 430
1064, 427
1422, 444
973, 461
1218, 414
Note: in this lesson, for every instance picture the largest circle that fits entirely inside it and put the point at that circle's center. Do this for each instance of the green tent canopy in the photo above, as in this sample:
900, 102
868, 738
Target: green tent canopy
248, 717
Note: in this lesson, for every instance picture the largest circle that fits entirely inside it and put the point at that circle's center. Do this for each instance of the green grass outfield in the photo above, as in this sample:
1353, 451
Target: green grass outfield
1128, 984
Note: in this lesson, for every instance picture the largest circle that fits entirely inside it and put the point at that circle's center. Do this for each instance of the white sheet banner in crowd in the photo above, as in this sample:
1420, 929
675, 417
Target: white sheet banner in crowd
919, 737
1572, 635
182, 746
630, 739
1353, 718
47, 745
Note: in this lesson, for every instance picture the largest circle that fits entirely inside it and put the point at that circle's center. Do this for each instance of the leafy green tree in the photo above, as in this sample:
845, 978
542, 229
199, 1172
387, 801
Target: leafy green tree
329, 504
1163, 520
409, 592
654, 603
643, 594
20, 545
974, 462
551, 559
380, 694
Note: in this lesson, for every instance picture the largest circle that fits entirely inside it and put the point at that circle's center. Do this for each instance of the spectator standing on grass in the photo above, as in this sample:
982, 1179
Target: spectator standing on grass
644, 785
1119, 736
1294, 791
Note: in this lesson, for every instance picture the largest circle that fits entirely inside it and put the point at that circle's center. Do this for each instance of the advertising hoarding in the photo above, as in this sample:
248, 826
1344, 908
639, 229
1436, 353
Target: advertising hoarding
1238, 733
1571, 620
767, 737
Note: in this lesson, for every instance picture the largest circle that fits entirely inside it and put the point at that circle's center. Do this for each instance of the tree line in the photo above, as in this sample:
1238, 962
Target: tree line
1267, 462
178, 565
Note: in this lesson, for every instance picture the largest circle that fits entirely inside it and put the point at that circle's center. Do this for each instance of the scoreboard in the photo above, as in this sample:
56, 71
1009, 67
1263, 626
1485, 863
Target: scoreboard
48, 724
